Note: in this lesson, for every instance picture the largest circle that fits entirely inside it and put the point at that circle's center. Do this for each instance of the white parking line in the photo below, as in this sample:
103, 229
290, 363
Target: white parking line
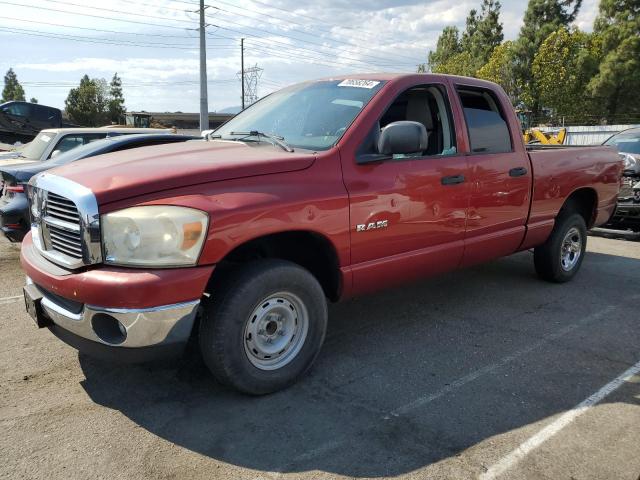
422, 401
323, 449
550, 430
6, 300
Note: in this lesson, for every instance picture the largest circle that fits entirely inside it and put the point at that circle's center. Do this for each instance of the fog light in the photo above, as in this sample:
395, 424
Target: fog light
108, 329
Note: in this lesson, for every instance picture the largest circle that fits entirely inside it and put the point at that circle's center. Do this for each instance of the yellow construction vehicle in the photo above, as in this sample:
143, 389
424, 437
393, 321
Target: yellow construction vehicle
535, 135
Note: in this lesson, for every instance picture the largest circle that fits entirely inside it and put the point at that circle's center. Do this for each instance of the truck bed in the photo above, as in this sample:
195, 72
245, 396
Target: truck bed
559, 171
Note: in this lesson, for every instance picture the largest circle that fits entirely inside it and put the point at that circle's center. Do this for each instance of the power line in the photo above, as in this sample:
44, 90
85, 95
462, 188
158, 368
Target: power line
288, 45
102, 17
99, 29
144, 15
315, 21
351, 45
315, 35
189, 21
341, 49
101, 41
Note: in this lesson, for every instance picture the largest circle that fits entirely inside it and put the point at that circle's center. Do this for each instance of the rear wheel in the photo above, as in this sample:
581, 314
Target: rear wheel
263, 326
560, 257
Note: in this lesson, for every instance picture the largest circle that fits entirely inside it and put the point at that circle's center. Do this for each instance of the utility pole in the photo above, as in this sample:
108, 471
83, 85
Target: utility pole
204, 102
242, 68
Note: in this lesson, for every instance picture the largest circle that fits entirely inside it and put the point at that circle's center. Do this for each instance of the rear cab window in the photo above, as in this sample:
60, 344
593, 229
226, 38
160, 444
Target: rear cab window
486, 122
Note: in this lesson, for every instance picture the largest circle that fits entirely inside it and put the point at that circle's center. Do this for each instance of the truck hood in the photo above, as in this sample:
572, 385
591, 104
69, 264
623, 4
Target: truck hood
139, 171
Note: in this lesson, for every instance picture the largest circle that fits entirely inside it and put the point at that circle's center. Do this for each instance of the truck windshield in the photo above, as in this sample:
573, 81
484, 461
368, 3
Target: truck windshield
34, 149
310, 115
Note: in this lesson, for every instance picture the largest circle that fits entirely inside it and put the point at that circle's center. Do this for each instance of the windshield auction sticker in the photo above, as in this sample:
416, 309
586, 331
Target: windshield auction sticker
350, 82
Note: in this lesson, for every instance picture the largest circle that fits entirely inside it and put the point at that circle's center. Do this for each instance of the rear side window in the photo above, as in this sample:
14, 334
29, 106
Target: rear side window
486, 123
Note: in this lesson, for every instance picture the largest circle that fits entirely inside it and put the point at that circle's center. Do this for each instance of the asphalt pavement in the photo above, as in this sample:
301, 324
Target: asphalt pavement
483, 373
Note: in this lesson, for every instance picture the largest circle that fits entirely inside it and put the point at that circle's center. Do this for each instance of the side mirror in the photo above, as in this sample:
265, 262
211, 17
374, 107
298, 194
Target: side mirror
402, 138
55, 153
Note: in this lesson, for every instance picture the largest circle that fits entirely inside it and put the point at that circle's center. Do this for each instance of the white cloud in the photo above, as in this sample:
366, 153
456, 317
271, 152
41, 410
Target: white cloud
302, 41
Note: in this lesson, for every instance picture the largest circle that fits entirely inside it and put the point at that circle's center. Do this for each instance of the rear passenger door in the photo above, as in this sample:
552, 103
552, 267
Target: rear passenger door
499, 178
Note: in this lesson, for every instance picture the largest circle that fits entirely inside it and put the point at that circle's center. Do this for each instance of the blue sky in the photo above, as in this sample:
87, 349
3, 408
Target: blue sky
153, 45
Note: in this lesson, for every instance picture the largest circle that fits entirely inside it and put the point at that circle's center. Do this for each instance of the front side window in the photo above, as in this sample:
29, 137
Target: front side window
18, 109
72, 141
425, 104
486, 123
311, 115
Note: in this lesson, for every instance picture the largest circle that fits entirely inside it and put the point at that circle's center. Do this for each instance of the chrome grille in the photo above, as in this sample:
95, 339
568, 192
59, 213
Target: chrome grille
62, 225
65, 241
65, 221
61, 208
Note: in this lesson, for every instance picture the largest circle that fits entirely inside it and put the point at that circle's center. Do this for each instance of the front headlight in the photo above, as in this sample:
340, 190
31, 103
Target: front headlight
154, 235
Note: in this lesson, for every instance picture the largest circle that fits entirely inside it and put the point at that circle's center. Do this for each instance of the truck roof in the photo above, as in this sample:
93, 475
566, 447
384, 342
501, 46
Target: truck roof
397, 76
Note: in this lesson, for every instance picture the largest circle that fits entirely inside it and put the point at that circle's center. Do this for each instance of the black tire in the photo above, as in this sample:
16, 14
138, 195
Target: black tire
228, 314
548, 257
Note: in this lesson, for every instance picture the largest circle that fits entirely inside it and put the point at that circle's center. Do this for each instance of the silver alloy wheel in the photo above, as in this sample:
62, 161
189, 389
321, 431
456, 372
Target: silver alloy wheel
571, 249
275, 331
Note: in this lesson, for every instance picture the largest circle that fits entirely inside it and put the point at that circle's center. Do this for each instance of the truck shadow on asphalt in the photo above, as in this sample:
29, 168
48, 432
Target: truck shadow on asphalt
393, 389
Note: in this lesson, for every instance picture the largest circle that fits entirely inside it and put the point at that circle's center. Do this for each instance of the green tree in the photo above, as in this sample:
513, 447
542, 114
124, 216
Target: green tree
499, 69
12, 88
483, 32
464, 55
617, 82
448, 46
460, 64
33, 100
562, 68
116, 99
541, 18
88, 104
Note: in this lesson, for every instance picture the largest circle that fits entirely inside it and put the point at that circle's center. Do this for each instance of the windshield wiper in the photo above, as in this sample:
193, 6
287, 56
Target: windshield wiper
277, 140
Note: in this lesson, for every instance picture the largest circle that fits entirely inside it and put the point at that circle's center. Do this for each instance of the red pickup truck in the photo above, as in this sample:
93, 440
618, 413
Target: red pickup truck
323, 190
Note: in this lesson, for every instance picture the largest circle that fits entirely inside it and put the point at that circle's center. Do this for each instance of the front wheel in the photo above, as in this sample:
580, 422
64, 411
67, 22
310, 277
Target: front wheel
560, 257
263, 326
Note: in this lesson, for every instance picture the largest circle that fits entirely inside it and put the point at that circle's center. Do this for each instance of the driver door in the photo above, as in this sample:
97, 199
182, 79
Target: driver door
408, 213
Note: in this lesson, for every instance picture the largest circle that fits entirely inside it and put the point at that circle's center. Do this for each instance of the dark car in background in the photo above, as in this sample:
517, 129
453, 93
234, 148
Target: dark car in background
14, 208
51, 142
21, 121
627, 214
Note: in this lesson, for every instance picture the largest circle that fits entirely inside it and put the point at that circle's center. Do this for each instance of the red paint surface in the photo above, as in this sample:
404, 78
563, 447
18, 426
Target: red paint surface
252, 191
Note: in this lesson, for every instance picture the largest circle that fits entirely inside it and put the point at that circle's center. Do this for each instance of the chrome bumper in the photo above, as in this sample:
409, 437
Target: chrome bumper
146, 327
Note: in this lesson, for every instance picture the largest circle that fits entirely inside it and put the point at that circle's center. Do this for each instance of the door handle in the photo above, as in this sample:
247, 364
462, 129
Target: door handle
517, 172
452, 180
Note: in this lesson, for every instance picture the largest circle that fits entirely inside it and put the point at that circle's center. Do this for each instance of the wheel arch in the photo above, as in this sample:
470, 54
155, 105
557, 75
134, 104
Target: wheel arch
309, 249
584, 201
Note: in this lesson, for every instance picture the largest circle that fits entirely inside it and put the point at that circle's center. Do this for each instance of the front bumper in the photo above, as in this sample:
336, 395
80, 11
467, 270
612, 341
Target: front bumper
140, 327
114, 313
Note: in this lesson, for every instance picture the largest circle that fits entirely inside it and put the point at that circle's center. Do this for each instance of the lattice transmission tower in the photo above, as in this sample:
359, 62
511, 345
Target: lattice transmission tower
249, 77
